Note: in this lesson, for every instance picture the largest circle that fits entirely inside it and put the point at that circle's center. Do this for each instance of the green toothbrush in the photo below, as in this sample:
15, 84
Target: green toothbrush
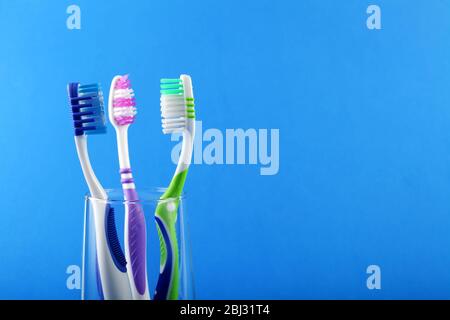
178, 115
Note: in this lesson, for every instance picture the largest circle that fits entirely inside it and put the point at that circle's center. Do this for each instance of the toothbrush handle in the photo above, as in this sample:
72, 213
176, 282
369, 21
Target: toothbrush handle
168, 284
111, 269
112, 277
137, 241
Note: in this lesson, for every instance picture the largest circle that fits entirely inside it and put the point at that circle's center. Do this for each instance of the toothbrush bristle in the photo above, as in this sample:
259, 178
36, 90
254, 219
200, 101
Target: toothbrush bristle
175, 108
86, 102
124, 103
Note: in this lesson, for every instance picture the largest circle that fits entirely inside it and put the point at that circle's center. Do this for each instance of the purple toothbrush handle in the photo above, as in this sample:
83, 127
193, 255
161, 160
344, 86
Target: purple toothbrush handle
137, 240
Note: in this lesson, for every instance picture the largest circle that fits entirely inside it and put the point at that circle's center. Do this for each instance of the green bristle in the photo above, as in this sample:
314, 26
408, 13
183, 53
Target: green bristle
171, 87
170, 80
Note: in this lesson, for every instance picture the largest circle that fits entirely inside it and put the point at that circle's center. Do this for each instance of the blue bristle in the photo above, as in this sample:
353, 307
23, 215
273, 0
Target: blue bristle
87, 106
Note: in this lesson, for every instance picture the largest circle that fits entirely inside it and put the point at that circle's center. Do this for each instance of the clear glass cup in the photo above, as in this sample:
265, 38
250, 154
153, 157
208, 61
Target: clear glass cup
149, 199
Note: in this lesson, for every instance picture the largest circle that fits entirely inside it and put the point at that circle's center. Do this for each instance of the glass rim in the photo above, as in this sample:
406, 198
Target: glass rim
156, 191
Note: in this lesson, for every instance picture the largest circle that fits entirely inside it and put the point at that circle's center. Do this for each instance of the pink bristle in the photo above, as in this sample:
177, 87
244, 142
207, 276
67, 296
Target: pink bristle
124, 102
123, 83
127, 104
124, 120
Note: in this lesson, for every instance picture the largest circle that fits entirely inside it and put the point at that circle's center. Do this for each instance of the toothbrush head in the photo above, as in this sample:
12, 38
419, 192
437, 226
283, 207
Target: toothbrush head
86, 102
122, 103
177, 104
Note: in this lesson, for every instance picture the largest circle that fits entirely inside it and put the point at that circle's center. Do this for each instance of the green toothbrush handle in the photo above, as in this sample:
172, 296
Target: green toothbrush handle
167, 287
168, 284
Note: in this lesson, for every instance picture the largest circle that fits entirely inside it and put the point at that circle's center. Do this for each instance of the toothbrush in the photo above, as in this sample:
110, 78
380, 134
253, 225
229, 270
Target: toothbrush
178, 115
122, 112
86, 103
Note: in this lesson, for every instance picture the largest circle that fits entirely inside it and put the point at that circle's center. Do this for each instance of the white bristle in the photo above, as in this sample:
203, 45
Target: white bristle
124, 111
173, 113
123, 93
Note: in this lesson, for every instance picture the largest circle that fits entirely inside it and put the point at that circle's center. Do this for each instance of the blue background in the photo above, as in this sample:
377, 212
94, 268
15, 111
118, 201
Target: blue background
364, 123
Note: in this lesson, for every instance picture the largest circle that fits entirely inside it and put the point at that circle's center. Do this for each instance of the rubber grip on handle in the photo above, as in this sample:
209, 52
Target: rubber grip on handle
137, 240
167, 287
